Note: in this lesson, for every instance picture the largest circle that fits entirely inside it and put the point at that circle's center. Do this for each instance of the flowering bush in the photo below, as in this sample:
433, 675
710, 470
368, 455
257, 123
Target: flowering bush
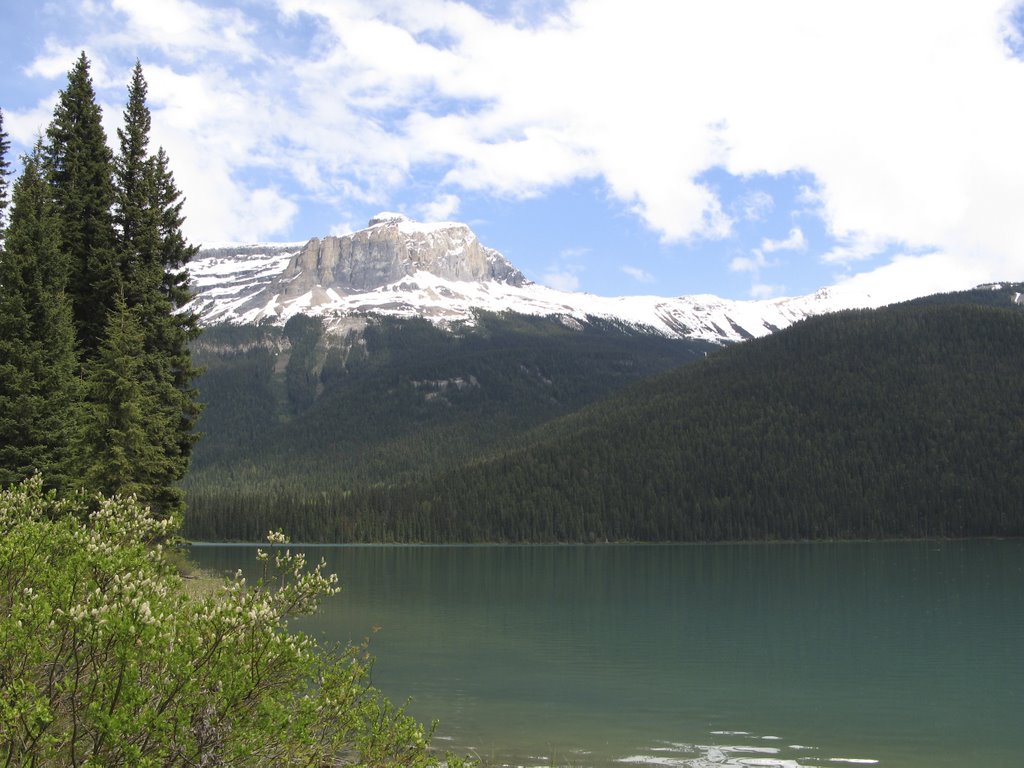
105, 659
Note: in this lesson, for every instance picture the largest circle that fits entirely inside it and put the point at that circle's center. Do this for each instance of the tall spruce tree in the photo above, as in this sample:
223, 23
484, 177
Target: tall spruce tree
38, 386
152, 252
80, 171
183, 326
135, 215
175, 251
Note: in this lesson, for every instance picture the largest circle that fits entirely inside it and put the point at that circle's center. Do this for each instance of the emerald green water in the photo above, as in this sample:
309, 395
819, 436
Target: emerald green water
903, 654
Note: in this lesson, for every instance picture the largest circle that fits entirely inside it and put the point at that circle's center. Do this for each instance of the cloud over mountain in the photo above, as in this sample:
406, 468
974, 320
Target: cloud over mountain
903, 118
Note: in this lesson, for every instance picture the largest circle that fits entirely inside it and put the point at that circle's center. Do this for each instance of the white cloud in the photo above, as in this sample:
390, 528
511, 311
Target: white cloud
793, 242
186, 28
564, 274
23, 127
853, 249
55, 61
756, 262
442, 208
91, 7
905, 114
753, 263
562, 280
756, 205
809, 196
764, 291
640, 275
909, 276
234, 212
344, 228
890, 138
573, 254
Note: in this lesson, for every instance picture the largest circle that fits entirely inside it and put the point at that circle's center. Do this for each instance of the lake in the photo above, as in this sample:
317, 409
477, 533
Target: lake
897, 654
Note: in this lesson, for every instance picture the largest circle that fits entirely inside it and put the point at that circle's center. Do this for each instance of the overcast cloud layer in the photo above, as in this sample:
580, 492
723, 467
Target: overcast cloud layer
903, 119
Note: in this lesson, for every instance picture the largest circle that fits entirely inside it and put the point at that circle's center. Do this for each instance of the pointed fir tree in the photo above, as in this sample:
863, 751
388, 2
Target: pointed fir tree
153, 254
124, 426
135, 215
175, 251
183, 326
38, 384
79, 164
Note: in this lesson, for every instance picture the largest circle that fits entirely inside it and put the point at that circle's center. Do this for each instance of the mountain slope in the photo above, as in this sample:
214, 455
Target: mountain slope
394, 399
441, 272
905, 421
900, 422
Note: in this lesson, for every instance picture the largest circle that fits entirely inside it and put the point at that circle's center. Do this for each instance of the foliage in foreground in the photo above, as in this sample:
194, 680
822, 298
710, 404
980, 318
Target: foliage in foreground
106, 660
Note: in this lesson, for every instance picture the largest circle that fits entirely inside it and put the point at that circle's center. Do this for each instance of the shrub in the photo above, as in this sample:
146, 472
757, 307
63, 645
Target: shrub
105, 659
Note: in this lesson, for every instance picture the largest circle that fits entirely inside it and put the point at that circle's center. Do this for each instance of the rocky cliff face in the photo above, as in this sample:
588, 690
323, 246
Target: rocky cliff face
389, 250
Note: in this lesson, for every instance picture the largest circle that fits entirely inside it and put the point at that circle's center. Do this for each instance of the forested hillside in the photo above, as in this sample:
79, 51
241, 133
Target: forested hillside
906, 421
296, 417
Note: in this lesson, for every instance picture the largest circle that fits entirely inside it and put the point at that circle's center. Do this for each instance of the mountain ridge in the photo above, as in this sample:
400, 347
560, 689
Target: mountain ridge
890, 423
442, 272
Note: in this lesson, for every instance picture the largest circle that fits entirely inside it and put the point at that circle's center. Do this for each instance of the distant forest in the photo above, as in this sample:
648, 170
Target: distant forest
297, 410
906, 421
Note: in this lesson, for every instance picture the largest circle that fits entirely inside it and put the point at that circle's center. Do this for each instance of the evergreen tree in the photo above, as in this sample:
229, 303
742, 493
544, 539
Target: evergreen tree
135, 216
175, 251
38, 391
124, 425
182, 327
177, 327
80, 171
152, 253
96, 266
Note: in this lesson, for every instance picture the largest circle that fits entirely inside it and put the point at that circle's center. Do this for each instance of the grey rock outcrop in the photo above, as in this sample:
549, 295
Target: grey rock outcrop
391, 249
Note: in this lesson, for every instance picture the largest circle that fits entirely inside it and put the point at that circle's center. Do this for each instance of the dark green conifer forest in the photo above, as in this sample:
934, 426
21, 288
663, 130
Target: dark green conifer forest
96, 377
902, 422
297, 416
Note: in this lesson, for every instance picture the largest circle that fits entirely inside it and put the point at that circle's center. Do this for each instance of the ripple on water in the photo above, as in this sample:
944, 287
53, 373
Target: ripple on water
738, 755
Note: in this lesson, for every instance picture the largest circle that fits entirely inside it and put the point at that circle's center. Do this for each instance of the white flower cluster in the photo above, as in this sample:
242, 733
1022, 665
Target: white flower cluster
277, 537
124, 599
19, 504
125, 520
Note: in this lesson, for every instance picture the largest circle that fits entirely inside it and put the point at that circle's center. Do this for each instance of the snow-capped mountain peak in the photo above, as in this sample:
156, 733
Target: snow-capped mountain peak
442, 272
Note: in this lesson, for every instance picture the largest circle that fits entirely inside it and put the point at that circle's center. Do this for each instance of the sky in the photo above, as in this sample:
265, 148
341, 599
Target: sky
740, 148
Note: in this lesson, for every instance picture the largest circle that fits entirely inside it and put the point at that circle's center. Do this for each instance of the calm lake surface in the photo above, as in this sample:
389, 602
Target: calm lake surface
902, 655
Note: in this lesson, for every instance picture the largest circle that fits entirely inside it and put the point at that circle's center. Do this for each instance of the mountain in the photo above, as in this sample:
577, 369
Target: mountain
897, 422
405, 382
441, 272
298, 410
